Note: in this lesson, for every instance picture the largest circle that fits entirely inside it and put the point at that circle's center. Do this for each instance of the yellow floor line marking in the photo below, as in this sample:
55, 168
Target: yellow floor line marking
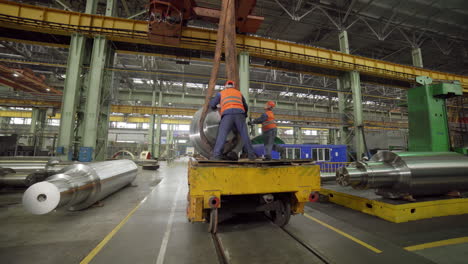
360, 242
109, 236
441, 243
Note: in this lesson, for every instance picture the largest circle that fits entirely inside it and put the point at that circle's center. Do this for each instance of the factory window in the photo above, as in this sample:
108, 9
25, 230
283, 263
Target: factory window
293, 153
321, 154
184, 127
54, 122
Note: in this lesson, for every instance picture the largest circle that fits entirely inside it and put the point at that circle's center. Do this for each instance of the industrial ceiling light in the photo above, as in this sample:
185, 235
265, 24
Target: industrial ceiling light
15, 74
47, 89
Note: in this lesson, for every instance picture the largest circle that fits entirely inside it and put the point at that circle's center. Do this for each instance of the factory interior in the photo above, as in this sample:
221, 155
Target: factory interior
233, 131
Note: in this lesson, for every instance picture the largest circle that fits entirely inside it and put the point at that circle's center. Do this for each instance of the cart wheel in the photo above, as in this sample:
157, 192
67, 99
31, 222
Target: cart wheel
282, 214
213, 226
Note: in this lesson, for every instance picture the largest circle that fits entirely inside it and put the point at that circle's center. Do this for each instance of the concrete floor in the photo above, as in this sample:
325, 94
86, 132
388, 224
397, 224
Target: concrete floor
158, 232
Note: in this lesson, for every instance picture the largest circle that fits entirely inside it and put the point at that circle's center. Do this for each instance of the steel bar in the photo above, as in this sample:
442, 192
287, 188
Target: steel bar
18, 180
79, 186
396, 175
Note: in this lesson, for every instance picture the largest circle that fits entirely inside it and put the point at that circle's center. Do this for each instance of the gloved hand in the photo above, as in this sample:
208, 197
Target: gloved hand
249, 123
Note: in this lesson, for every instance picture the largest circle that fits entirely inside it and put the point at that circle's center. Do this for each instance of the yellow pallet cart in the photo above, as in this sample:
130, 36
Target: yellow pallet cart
279, 188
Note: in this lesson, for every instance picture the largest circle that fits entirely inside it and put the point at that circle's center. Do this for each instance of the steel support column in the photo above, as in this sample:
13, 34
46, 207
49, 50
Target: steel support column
297, 135
33, 126
70, 97
96, 116
244, 75
416, 56
157, 136
71, 94
151, 129
355, 82
93, 95
38, 123
350, 105
4, 122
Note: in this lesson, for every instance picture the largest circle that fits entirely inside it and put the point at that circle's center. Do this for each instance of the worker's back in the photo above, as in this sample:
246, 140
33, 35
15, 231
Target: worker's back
231, 98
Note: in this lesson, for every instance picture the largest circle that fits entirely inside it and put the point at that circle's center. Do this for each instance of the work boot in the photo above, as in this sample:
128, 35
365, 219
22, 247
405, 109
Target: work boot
267, 158
252, 157
215, 158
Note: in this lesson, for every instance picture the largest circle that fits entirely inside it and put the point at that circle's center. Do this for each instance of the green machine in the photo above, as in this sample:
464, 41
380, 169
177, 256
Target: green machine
427, 114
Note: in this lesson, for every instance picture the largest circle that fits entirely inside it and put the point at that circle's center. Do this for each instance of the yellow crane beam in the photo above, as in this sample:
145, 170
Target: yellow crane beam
182, 112
113, 118
60, 22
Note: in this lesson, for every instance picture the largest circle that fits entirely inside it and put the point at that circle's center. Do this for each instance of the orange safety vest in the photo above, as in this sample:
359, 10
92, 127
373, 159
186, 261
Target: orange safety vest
231, 98
270, 122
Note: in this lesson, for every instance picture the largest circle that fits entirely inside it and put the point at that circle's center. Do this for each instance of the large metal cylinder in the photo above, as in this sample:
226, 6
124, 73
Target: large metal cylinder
79, 186
24, 165
210, 129
17, 180
395, 175
49, 166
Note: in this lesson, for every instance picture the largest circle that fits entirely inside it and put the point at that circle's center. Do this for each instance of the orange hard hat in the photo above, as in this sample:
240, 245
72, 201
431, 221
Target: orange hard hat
229, 84
271, 104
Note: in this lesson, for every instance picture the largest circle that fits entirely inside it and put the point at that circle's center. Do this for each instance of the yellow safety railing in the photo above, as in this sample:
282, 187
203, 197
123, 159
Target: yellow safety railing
54, 21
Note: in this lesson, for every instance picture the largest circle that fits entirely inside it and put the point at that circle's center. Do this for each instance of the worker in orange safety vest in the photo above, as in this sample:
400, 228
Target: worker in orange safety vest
233, 113
269, 131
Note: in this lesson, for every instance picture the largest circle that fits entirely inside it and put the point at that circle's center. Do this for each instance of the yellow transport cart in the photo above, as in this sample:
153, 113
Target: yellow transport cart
279, 188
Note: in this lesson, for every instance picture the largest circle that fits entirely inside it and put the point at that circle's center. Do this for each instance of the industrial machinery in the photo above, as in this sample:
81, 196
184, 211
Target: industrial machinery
145, 160
166, 18
429, 168
79, 186
210, 129
279, 188
406, 174
25, 172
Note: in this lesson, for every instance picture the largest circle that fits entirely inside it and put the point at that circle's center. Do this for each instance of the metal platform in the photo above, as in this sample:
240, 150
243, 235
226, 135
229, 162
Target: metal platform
396, 211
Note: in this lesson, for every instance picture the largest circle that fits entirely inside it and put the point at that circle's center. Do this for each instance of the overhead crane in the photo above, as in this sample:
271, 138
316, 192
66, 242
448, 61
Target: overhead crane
128, 34
154, 110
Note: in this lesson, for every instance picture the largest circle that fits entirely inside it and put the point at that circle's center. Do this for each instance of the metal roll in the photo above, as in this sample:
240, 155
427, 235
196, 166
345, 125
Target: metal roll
210, 129
79, 186
17, 180
408, 173
23, 165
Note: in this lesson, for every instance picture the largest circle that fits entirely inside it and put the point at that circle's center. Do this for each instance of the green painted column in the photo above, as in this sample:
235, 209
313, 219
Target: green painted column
93, 95
71, 93
244, 75
36, 130
355, 81
416, 56
157, 137
70, 97
97, 106
151, 129
342, 98
33, 126
4, 123
350, 106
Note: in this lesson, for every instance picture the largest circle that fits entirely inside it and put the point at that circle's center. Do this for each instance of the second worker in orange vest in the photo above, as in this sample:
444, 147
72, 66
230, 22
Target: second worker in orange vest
233, 112
269, 131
